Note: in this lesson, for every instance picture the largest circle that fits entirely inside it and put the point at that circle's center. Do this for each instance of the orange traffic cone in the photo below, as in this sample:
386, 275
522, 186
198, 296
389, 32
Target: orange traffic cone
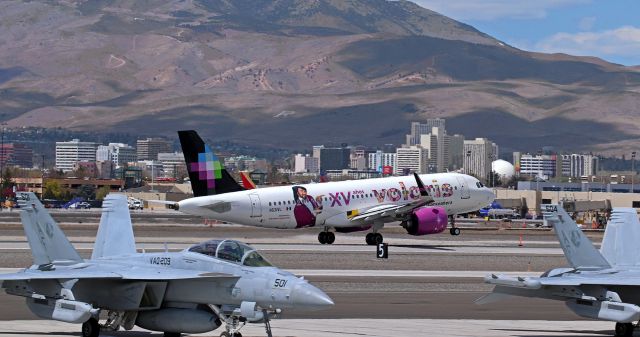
520, 243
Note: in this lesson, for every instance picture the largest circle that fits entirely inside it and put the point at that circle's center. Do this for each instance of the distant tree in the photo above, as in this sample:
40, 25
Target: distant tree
88, 192
56, 174
7, 183
52, 190
102, 192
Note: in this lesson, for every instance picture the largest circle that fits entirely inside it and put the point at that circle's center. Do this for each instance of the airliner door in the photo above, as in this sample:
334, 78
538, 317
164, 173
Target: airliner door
256, 207
464, 188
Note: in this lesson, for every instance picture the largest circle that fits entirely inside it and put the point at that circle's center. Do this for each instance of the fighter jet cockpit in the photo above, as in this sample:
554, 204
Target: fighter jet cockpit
231, 251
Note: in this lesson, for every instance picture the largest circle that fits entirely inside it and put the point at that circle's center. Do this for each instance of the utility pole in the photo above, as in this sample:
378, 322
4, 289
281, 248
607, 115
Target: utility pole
633, 169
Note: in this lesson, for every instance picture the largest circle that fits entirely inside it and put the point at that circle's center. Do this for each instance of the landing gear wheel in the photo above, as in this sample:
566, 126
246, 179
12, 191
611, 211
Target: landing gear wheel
322, 237
377, 238
455, 231
172, 334
624, 329
369, 239
91, 328
330, 238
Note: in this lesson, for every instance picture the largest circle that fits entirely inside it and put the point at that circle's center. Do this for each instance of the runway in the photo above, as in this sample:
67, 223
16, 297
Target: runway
355, 328
428, 284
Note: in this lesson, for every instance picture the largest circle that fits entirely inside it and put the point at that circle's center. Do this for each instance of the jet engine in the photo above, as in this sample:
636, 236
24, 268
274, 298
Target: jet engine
178, 320
426, 220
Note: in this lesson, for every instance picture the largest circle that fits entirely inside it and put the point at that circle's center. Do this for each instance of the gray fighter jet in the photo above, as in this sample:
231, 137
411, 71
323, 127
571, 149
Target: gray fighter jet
192, 291
600, 284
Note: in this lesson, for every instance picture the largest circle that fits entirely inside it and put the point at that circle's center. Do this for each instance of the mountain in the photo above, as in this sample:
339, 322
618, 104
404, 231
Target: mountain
295, 73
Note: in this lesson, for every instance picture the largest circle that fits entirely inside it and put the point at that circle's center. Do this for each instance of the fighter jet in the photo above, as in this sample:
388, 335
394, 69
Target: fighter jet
193, 291
599, 284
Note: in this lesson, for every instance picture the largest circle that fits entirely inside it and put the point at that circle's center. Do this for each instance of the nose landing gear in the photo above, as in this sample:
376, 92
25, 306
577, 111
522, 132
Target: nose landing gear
455, 231
374, 239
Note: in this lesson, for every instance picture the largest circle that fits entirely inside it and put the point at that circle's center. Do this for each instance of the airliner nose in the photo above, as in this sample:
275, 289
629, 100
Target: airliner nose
489, 195
309, 297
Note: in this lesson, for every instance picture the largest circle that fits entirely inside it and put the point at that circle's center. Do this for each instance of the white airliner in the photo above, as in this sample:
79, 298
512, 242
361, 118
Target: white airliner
422, 203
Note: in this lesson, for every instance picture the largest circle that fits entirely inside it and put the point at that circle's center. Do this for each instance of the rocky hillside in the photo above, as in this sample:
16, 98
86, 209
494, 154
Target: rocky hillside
293, 73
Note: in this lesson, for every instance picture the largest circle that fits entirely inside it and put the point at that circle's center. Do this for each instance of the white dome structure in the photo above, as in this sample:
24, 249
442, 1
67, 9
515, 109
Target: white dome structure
503, 168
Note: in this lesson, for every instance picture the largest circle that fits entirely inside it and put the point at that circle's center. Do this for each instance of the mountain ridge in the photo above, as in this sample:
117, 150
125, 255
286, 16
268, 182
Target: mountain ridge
302, 64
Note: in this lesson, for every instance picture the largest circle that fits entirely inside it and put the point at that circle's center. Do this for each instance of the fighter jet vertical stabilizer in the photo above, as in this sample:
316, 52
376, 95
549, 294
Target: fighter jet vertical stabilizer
577, 247
620, 243
115, 232
48, 243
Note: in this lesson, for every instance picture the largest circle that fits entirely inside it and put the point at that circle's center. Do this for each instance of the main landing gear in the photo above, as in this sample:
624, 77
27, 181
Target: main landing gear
374, 239
624, 329
326, 237
91, 328
455, 231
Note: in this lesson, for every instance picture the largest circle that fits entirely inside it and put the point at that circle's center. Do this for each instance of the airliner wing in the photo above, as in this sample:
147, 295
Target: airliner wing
388, 211
394, 212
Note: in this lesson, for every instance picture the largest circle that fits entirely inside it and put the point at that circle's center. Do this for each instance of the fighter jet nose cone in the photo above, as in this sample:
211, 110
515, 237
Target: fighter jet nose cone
306, 296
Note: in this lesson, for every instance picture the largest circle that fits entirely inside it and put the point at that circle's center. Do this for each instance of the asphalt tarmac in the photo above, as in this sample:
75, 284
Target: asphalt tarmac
426, 279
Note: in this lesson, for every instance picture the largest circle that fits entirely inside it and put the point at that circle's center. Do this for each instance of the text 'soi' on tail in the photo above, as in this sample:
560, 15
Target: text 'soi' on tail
207, 174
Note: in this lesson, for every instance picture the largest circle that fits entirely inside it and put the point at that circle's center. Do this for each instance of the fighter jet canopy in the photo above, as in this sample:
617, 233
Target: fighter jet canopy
232, 251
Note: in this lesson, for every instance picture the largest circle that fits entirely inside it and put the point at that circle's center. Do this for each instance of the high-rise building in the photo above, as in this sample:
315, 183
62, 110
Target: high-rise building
173, 164
435, 142
541, 165
379, 159
455, 144
15, 154
411, 159
584, 165
305, 164
316, 153
69, 153
358, 159
335, 158
149, 148
119, 153
418, 129
478, 156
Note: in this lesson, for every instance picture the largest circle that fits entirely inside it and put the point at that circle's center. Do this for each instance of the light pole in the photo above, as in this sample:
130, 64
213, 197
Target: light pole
633, 169
491, 177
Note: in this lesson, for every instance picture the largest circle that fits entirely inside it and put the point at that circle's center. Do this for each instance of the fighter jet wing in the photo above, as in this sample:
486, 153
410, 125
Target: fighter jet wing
157, 274
393, 211
65, 274
612, 279
112, 272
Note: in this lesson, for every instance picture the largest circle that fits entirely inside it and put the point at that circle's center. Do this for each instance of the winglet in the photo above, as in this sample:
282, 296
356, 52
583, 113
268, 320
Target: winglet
577, 248
421, 187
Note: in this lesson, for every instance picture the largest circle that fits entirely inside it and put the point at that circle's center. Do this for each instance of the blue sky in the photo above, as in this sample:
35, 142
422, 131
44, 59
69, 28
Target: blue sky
609, 29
